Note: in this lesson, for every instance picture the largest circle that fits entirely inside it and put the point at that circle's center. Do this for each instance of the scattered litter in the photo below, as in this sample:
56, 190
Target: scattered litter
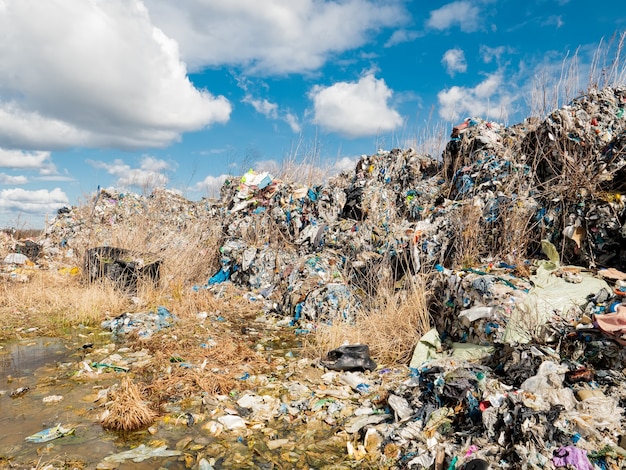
141, 453
52, 399
50, 434
350, 357
519, 233
15, 258
19, 392
145, 324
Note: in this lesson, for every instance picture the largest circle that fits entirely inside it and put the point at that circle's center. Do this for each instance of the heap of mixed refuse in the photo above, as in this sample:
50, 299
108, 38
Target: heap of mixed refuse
520, 235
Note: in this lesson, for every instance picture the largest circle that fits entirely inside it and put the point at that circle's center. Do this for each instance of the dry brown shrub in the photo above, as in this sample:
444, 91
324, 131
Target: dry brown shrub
127, 409
192, 368
391, 327
185, 383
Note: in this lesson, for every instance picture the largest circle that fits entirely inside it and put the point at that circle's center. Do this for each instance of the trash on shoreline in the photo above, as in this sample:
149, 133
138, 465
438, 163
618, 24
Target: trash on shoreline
50, 434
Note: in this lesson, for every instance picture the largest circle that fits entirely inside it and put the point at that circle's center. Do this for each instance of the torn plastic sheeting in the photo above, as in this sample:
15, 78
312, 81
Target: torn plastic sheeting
349, 357
331, 302
429, 348
421, 231
141, 453
547, 388
604, 411
571, 456
221, 276
124, 267
15, 258
470, 315
50, 434
356, 423
550, 295
613, 324
260, 180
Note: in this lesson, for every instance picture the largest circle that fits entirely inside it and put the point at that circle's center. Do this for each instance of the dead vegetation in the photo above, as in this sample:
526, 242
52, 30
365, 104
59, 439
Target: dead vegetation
127, 409
167, 227
390, 325
52, 303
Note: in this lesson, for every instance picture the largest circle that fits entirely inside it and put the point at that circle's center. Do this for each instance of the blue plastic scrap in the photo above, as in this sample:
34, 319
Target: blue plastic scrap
221, 276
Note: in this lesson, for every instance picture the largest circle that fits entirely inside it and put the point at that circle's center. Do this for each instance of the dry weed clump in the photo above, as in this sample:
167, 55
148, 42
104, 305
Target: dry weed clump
126, 409
516, 236
391, 327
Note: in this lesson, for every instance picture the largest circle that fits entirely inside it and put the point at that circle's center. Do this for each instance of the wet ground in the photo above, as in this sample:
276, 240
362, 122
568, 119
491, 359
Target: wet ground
41, 387
38, 393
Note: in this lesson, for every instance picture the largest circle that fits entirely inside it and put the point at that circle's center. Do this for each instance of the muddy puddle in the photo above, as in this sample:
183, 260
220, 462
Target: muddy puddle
40, 388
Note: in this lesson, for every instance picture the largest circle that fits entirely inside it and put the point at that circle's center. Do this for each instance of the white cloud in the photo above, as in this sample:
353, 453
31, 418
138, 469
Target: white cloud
400, 36
293, 122
18, 159
22, 160
211, 185
271, 111
487, 100
8, 179
41, 201
345, 164
488, 54
271, 36
149, 174
462, 13
263, 106
454, 61
154, 164
55, 177
554, 20
355, 109
92, 73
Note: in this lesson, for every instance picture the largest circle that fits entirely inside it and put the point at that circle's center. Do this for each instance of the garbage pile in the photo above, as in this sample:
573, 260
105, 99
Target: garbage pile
317, 252
305, 247
523, 368
578, 153
162, 212
520, 232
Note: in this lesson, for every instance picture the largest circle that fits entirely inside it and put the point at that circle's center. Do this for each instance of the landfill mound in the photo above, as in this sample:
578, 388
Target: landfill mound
519, 233
491, 203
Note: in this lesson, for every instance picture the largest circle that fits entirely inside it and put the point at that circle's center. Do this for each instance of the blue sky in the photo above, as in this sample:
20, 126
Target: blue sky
137, 94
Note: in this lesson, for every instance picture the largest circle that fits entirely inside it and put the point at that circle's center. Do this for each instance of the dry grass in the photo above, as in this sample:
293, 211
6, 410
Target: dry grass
167, 226
469, 238
207, 355
53, 303
517, 234
391, 327
52, 300
126, 409
553, 89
